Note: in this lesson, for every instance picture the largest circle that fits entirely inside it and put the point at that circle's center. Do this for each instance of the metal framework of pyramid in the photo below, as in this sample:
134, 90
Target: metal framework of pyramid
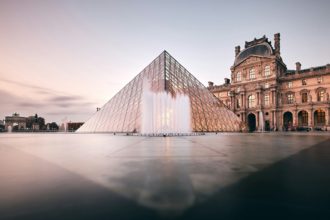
122, 113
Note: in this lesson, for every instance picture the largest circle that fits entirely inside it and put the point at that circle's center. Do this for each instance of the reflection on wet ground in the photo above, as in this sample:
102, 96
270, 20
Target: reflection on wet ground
96, 176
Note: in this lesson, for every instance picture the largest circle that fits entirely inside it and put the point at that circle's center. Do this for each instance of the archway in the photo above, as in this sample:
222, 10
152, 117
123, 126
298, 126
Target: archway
287, 121
319, 117
267, 125
252, 122
302, 118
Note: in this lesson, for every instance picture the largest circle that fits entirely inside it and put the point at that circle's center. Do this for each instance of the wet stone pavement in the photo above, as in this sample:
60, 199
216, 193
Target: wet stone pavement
216, 176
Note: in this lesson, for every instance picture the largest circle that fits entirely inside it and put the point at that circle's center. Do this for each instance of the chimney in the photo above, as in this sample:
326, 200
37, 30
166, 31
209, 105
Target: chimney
277, 44
211, 84
298, 66
227, 81
237, 50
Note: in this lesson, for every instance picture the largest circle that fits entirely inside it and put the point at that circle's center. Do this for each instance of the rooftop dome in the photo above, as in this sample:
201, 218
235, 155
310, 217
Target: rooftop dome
263, 49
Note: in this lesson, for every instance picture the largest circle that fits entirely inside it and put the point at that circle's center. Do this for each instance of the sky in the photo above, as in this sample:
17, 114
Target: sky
62, 59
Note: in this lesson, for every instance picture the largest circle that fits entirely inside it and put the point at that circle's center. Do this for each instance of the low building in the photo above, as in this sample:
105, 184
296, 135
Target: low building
73, 126
2, 126
15, 122
265, 95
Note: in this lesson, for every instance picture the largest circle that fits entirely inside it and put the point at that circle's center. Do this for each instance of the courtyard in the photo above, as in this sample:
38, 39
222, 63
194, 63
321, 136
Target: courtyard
212, 176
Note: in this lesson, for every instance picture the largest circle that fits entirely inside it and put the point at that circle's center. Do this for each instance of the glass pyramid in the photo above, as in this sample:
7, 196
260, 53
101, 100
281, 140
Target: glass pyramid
123, 113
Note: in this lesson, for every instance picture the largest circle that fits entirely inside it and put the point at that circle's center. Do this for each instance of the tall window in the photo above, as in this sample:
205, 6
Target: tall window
303, 118
251, 100
303, 82
290, 98
267, 71
266, 85
252, 74
320, 96
238, 77
238, 103
304, 97
319, 117
289, 84
266, 99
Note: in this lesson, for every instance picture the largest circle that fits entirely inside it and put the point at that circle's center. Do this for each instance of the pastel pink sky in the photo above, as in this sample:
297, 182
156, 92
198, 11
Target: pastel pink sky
62, 59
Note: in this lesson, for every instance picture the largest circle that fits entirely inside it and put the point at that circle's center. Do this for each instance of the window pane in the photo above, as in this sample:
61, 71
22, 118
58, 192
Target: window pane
267, 71
252, 74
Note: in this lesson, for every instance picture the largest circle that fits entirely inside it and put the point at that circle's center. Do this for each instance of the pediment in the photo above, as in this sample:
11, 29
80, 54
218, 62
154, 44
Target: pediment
253, 59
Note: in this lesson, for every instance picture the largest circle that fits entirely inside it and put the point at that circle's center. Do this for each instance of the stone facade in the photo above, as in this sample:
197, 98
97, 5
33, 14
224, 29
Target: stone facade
15, 122
268, 96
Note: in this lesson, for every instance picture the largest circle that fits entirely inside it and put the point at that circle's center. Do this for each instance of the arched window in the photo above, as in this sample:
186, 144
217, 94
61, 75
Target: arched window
302, 118
238, 77
320, 95
252, 74
319, 117
304, 97
267, 71
251, 100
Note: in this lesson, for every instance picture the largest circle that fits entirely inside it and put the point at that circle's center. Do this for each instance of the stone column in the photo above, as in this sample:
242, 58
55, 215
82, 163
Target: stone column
310, 118
232, 103
258, 94
295, 118
327, 116
272, 119
271, 98
257, 121
280, 123
244, 100
275, 120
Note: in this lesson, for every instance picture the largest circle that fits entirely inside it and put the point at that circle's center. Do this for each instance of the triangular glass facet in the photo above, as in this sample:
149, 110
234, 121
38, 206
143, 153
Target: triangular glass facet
126, 111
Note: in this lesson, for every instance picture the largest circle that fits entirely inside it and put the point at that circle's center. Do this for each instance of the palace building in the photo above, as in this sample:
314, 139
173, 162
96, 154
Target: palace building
265, 95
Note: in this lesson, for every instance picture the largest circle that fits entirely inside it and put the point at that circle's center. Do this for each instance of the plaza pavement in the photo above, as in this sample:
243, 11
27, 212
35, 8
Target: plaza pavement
214, 176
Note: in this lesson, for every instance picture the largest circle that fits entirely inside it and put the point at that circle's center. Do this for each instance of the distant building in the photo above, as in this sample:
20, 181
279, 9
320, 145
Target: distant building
52, 126
73, 126
264, 94
15, 122
35, 127
2, 125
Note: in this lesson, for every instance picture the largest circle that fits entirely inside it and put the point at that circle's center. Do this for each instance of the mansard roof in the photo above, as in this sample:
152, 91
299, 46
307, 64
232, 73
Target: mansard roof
258, 47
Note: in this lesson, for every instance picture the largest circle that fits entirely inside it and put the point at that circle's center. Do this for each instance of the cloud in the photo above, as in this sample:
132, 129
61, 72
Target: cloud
31, 104
41, 90
65, 98
6, 97
47, 102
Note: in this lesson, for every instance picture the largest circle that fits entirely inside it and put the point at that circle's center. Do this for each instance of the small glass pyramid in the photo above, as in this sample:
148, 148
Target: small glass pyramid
126, 111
